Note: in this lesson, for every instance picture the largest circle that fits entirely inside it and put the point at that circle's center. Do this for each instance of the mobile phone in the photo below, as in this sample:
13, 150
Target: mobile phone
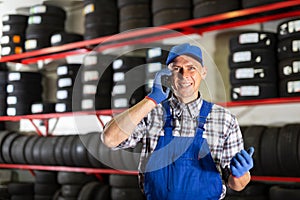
165, 82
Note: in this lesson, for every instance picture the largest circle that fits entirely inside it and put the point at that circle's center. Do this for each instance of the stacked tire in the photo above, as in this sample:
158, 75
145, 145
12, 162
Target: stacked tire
170, 11
62, 38
96, 79
289, 59
254, 3
43, 22
253, 66
156, 59
101, 18
46, 185
203, 8
128, 80
21, 190
125, 187
3, 94
13, 34
134, 14
66, 76
23, 89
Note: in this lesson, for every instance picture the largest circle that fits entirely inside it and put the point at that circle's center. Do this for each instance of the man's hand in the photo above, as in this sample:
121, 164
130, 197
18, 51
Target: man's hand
242, 162
157, 93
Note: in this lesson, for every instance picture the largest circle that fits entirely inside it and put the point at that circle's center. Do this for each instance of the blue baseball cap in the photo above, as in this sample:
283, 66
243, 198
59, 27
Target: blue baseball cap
185, 49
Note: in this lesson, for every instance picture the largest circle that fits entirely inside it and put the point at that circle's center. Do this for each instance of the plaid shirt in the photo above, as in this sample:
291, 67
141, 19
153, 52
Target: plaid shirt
222, 131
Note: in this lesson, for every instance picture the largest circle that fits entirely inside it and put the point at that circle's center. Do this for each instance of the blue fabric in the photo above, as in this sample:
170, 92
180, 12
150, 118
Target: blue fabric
185, 49
181, 168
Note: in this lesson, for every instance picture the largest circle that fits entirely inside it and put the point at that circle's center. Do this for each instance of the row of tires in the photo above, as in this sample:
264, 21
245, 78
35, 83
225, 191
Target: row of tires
50, 185
74, 150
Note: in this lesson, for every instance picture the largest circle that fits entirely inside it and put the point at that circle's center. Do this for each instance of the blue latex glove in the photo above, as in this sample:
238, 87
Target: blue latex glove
242, 162
157, 93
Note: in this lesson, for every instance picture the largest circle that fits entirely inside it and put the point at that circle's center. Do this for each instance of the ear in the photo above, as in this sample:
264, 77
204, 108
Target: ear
203, 72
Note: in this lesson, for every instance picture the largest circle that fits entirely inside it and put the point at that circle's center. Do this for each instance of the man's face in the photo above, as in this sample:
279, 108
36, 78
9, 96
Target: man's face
187, 74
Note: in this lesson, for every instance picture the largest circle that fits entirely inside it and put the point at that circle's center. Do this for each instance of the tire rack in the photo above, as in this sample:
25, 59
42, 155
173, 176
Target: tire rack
225, 20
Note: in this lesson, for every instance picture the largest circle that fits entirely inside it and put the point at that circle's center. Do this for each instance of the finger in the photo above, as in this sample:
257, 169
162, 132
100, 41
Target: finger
250, 151
241, 159
235, 162
246, 157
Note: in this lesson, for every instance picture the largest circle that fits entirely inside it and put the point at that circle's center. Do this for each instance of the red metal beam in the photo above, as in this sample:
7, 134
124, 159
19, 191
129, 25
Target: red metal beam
275, 179
69, 169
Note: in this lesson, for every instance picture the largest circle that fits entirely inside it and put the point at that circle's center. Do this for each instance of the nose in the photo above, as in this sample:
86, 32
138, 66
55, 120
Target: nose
184, 72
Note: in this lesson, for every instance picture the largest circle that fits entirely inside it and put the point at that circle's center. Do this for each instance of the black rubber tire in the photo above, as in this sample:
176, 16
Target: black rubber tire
47, 152
7, 50
49, 10
21, 188
288, 48
252, 137
116, 159
279, 193
136, 11
157, 54
3, 136
79, 153
24, 87
7, 147
58, 150
68, 178
41, 31
252, 57
43, 197
99, 31
289, 68
123, 181
268, 153
15, 76
65, 38
171, 16
101, 88
103, 193
67, 151
122, 3
42, 108
251, 191
70, 190
29, 147
253, 40
46, 20
45, 189
287, 29
133, 24
91, 141
13, 19
45, 177
13, 39
254, 91
14, 28
18, 149
88, 190
213, 7
36, 150
22, 197
158, 5
100, 19
288, 150
126, 193
289, 87
256, 74
254, 3
37, 43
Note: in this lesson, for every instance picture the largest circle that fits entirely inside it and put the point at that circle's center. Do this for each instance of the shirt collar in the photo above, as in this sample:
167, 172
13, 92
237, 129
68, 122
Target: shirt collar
193, 107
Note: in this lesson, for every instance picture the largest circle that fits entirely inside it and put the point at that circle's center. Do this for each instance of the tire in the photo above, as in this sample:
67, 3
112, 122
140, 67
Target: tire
123, 181
92, 142
103, 193
68, 178
18, 147
7, 147
100, 31
70, 190
289, 67
21, 188
101, 88
133, 24
36, 151
157, 54
79, 153
289, 87
14, 29
253, 40
67, 151
15, 76
68, 69
137, 11
287, 29
252, 137
287, 150
288, 48
254, 3
58, 150
22, 197
257, 74
43, 108
65, 38
171, 16
158, 5
45, 177
46, 20
37, 43
24, 87
29, 147
251, 58
122, 3
13, 19
11, 50
253, 91
45, 189
47, 152
13, 39
49, 10
3, 136
88, 191
277, 193
268, 153
126, 193
213, 7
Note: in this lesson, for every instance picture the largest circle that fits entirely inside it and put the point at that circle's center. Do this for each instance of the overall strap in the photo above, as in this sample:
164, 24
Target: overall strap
167, 114
204, 111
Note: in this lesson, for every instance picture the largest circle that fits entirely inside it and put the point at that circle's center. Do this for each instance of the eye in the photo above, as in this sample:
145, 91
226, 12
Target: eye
191, 68
175, 69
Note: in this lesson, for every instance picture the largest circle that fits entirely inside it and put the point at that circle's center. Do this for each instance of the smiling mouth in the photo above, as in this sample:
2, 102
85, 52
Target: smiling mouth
184, 85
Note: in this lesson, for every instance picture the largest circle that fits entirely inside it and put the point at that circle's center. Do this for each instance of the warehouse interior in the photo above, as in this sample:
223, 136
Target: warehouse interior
67, 67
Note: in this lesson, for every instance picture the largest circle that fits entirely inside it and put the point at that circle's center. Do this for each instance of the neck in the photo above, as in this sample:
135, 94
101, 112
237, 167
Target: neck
187, 100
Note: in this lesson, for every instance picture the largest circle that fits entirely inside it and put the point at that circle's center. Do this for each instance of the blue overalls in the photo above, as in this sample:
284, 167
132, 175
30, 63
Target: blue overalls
181, 168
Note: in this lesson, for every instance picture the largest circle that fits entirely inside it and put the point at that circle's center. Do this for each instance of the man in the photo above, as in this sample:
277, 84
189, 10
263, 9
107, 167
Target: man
188, 143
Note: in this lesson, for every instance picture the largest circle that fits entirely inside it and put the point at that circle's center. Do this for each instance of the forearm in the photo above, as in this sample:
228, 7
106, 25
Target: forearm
240, 183
122, 125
